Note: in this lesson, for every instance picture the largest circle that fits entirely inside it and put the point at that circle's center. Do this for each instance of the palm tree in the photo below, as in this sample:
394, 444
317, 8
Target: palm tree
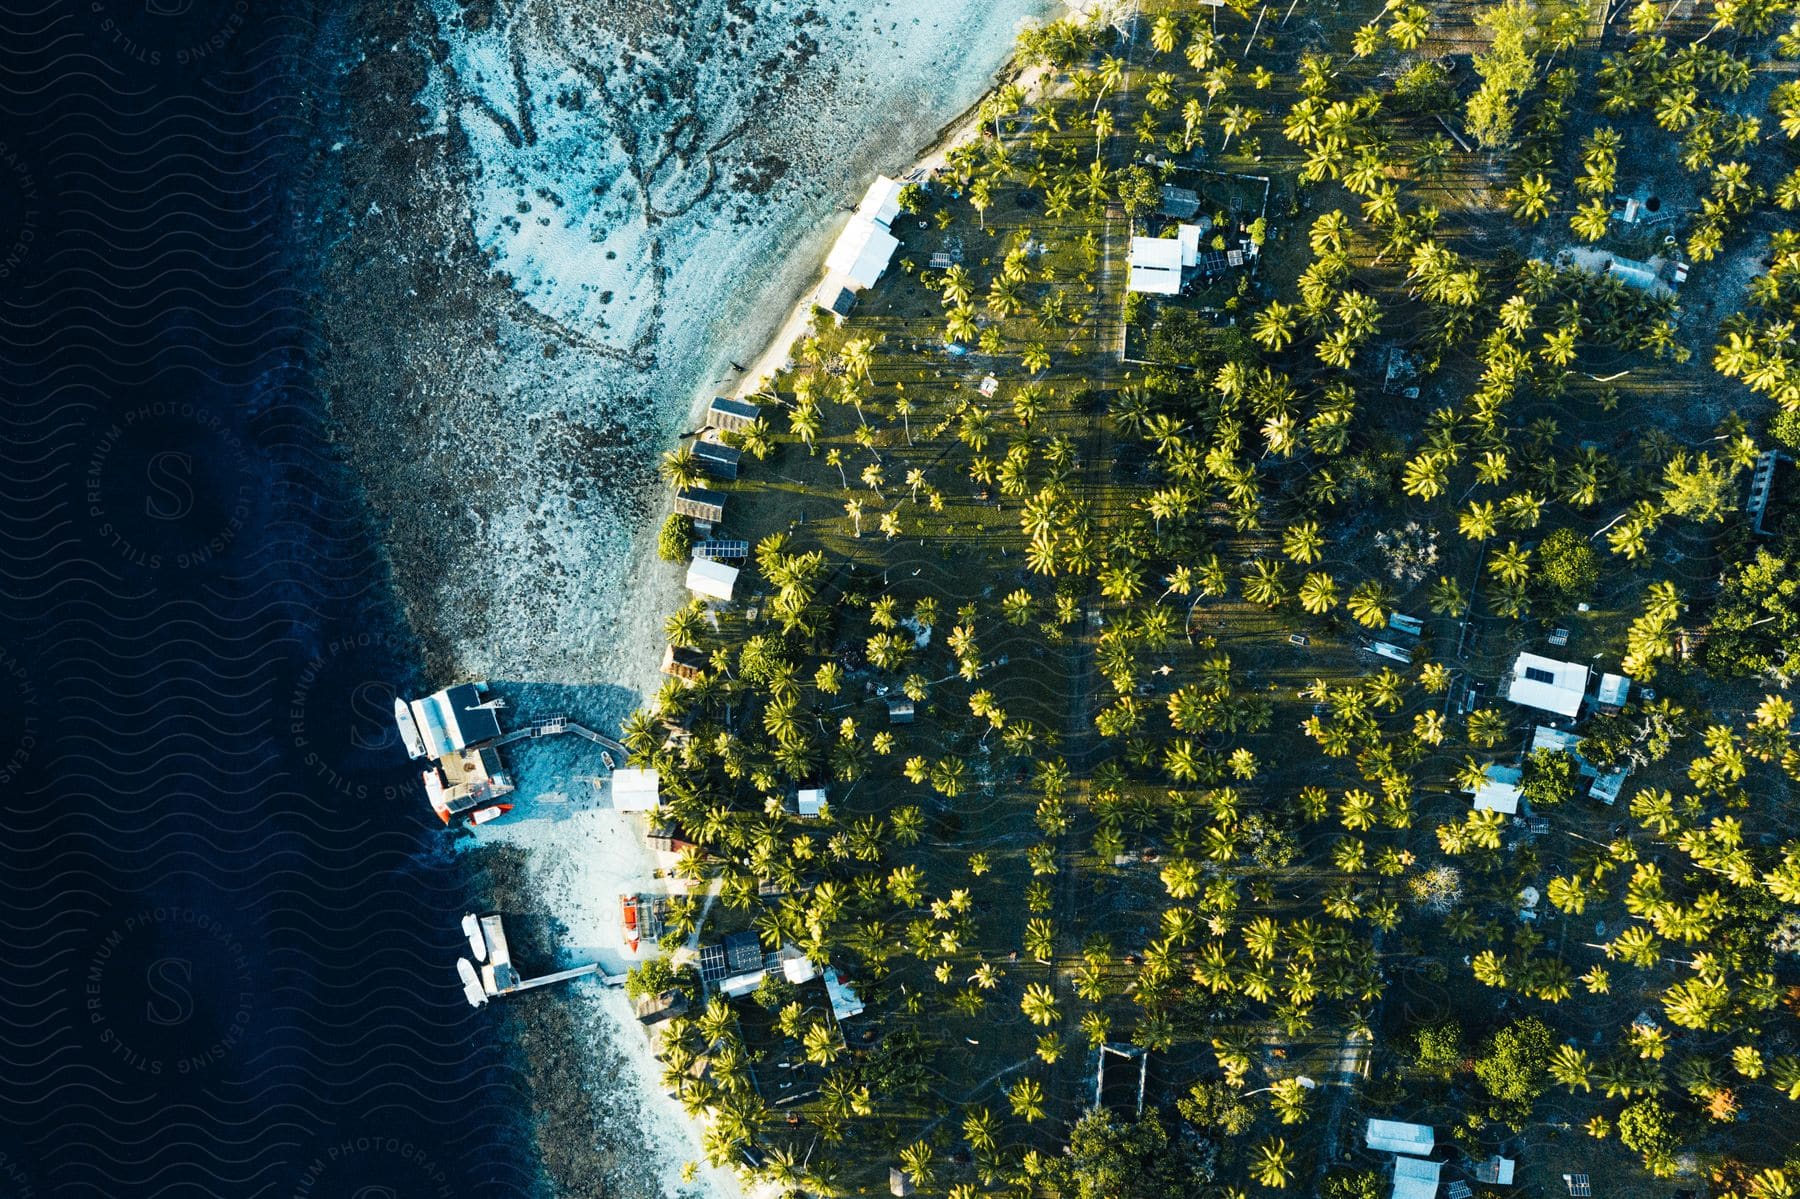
1165, 32
1036, 357
1103, 129
1027, 1099
835, 457
857, 357
1235, 121
981, 1129
681, 468
1303, 542
1370, 602
1039, 1004
1511, 565
1591, 220
960, 324
1273, 1164
1274, 326
1318, 593
1533, 199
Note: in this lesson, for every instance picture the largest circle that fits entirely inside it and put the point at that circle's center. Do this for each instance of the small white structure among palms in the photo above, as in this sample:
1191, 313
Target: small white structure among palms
863, 249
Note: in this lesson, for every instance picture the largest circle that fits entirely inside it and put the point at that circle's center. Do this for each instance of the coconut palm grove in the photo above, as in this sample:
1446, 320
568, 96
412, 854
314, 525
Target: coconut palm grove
1300, 707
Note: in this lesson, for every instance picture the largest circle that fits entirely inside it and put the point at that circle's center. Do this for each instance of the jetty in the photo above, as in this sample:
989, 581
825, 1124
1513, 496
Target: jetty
497, 975
457, 730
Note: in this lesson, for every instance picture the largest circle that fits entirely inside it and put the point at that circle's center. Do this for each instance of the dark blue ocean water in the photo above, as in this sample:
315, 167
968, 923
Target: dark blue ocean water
227, 920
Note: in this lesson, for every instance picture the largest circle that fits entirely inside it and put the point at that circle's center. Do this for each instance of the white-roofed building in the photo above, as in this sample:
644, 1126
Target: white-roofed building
1189, 237
810, 802
635, 790
1396, 1136
1416, 1178
861, 253
1614, 690
715, 580
1499, 790
881, 203
1155, 266
1548, 685
450, 720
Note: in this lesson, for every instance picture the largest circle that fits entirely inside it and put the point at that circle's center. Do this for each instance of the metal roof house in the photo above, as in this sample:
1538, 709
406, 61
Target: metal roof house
860, 254
881, 203
1415, 1178
1548, 685
809, 802
1614, 690
1499, 791
1606, 785
1496, 1171
1155, 266
701, 503
728, 415
718, 459
714, 580
1179, 202
723, 551
450, 720
743, 952
1395, 1136
901, 710
635, 790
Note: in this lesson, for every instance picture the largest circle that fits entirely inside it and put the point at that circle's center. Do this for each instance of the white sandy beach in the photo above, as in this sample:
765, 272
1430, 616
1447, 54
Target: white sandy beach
659, 190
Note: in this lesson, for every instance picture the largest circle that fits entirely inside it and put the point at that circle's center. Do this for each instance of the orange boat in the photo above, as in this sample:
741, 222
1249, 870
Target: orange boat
628, 905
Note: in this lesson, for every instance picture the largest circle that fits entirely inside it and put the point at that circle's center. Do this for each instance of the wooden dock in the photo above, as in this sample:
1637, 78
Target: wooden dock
553, 726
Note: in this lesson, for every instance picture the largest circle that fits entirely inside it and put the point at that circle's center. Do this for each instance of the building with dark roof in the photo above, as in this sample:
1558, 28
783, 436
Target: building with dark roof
701, 503
727, 415
743, 952
718, 459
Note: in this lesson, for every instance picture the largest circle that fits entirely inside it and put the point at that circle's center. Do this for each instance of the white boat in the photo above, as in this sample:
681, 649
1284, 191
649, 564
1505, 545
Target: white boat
471, 983
483, 815
477, 943
409, 728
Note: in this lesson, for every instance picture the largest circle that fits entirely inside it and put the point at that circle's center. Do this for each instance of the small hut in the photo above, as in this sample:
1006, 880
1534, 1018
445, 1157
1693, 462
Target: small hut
718, 459
701, 503
684, 664
728, 415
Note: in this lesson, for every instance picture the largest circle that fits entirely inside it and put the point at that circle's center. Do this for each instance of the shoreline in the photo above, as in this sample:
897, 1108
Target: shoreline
552, 883
446, 418
928, 159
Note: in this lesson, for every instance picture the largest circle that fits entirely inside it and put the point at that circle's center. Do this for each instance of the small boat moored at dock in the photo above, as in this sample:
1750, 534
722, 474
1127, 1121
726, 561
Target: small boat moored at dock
409, 728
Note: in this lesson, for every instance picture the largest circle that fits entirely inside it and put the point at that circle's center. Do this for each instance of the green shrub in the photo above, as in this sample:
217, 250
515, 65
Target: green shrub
676, 541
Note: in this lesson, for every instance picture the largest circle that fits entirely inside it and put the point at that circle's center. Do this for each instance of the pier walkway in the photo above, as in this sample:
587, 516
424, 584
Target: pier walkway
552, 726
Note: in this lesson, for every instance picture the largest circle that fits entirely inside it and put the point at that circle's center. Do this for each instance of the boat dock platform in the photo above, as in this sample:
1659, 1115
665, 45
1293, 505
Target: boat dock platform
497, 974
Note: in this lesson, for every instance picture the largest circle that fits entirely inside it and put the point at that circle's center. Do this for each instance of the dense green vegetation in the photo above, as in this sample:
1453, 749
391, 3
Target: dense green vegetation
1128, 555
